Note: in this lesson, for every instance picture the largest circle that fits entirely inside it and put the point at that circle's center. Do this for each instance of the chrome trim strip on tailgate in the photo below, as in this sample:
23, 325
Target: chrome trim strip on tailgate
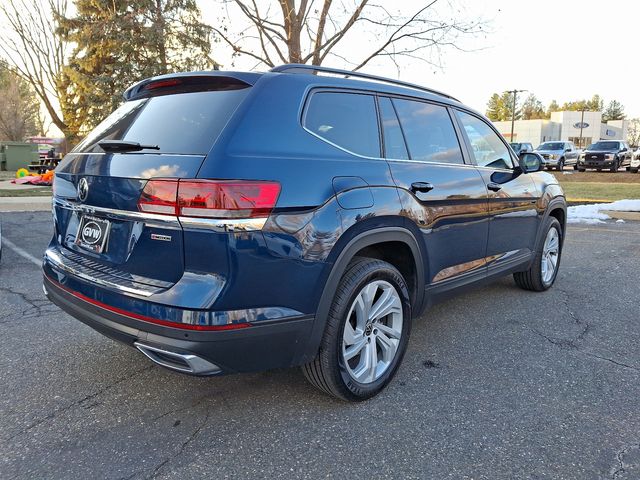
168, 221
224, 225
118, 214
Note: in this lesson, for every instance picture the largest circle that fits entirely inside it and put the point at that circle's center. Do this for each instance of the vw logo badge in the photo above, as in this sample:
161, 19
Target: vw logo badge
83, 189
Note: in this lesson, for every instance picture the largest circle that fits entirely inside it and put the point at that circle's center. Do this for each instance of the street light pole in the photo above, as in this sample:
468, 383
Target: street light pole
581, 125
513, 112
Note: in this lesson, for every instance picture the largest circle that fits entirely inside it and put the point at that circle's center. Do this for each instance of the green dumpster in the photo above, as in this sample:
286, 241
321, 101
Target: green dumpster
16, 155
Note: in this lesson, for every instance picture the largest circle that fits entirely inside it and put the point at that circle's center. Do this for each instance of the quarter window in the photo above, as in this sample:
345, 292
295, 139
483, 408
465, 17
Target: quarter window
428, 131
488, 149
347, 120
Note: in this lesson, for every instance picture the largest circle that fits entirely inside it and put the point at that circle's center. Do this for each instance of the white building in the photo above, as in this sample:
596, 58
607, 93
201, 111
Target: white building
565, 126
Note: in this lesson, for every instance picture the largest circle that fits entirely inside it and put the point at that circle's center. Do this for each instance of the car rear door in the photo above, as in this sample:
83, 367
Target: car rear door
441, 194
513, 195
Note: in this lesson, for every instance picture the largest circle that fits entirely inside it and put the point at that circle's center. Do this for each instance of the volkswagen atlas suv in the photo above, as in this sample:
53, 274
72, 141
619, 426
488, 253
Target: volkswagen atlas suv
226, 222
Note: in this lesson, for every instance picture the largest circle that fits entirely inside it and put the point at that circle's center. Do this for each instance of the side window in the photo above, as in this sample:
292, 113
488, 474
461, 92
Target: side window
488, 149
394, 145
428, 131
348, 120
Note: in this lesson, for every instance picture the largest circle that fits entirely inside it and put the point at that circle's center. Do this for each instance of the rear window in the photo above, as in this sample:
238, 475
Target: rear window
185, 123
347, 120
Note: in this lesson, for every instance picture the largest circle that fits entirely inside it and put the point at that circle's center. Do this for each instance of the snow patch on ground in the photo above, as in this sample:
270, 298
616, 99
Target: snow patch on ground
592, 214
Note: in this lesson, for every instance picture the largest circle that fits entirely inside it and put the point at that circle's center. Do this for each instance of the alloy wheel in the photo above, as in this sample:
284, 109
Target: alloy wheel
550, 255
372, 331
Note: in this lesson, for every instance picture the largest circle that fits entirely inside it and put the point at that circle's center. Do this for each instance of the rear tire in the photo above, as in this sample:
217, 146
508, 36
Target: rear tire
582, 169
539, 278
360, 352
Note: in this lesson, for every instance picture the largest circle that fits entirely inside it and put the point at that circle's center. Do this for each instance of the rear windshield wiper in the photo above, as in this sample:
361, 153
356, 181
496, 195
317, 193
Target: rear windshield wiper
124, 146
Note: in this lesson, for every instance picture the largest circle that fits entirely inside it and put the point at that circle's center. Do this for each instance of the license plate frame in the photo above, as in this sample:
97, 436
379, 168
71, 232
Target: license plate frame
93, 233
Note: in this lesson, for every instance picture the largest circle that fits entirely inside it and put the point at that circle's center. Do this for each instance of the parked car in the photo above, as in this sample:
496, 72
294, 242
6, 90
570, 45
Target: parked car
605, 154
227, 222
558, 154
521, 147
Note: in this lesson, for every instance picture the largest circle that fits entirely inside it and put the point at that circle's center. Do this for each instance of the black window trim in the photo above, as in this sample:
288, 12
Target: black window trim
467, 156
514, 160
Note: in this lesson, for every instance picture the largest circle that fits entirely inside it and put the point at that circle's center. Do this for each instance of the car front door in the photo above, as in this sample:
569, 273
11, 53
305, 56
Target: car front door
513, 196
442, 195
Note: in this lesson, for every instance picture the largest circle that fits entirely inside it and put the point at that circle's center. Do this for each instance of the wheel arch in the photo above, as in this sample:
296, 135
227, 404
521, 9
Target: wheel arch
360, 243
557, 208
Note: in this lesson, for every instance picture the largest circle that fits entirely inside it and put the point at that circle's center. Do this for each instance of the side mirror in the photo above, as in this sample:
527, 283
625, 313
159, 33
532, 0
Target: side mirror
567, 149
530, 162
623, 149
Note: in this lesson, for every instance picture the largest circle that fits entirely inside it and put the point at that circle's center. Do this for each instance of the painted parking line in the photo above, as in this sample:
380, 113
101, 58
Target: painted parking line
23, 253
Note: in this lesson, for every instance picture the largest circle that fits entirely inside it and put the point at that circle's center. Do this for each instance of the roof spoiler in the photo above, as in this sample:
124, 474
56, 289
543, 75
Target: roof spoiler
189, 82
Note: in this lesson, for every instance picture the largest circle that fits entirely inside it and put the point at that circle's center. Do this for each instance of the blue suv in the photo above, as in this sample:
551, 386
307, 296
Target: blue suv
226, 222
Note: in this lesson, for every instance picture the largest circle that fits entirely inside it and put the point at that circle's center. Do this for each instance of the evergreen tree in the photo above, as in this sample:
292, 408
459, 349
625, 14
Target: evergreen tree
596, 104
507, 102
495, 108
121, 42
532, 108
499, 107
553, 107
19, 107
614, 111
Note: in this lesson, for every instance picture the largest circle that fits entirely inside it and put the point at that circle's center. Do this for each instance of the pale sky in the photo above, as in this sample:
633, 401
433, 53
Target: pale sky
558, 49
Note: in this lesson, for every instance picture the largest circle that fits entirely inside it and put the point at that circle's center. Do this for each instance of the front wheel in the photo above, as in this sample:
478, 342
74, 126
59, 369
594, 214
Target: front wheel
544, 269
561, 164
633, 170
366, 334
615, 166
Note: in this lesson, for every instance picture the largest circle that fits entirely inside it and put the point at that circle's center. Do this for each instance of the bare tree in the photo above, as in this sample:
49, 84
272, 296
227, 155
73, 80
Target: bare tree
33, 49
312, 31
633, 134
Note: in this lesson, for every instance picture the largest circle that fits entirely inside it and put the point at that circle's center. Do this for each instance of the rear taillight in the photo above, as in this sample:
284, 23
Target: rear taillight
159, 196
209, 198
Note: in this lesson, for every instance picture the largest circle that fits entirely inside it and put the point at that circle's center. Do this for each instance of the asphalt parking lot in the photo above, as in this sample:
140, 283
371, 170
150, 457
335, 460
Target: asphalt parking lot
498, 383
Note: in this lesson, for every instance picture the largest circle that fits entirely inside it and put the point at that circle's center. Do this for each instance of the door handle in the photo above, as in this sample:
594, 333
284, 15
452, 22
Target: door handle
421, 187
494, 187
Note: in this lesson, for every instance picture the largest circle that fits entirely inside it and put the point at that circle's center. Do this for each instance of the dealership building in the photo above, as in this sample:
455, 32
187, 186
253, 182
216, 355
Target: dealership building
565, 126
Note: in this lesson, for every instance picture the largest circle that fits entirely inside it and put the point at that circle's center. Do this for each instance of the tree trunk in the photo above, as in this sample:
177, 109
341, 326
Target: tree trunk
160, 28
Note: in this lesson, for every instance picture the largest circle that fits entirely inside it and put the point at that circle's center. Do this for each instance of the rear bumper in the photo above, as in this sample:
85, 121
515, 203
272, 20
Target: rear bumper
278, 344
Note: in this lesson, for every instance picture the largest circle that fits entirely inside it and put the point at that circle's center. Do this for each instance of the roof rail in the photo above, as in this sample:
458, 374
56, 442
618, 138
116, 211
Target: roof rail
304, 68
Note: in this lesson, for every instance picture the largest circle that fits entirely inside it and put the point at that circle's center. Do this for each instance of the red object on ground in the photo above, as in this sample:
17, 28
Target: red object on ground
32, 180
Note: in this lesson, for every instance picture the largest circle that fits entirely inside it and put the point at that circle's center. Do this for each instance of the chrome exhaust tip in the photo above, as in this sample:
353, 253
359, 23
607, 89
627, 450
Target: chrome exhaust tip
181, 362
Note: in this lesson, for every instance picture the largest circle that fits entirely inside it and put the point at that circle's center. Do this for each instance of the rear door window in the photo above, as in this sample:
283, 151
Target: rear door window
347, 120
184, 123
428, 131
